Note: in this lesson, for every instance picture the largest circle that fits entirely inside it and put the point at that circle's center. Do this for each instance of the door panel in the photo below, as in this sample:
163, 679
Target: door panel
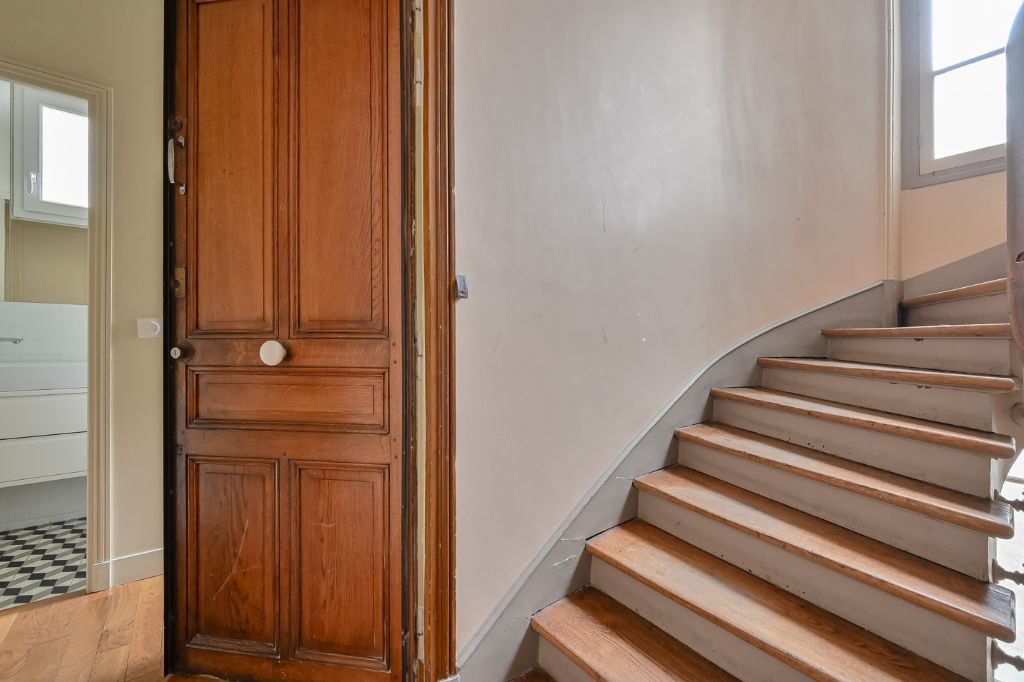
341, 224
289, 478
340, 516
294, 398
232, 249
233, 576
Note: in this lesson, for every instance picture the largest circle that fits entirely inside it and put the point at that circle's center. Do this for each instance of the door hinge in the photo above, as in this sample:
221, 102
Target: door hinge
174, 124
178, 283
415, 14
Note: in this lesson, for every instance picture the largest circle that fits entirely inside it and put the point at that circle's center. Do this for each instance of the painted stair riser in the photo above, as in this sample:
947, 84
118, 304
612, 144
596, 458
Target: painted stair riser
559, 666
945, 544
974, 355
947, 467
714, 643
970, 409
924, 632
977, 310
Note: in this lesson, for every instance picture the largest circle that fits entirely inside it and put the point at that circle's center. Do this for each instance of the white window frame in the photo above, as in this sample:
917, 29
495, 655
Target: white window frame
5, 139
920, 167
26, 201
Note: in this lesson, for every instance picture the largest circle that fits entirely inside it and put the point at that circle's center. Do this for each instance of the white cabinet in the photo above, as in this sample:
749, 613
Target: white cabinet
43, 412
43, 458
43, 436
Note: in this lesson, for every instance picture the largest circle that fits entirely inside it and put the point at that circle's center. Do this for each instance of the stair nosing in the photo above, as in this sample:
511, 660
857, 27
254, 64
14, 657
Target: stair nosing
665, 542
992, 287
543, 628
937, 331
977, 522
991, 625
989, 383
900, 426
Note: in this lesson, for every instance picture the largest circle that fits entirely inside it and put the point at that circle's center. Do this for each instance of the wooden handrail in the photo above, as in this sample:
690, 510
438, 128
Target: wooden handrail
1015, 175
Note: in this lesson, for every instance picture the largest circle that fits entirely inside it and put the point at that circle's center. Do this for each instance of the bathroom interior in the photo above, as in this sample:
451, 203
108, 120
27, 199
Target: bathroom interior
44, 285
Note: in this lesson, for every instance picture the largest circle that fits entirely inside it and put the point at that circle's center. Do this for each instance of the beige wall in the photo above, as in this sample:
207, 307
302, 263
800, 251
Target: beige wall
119, 43
46, 263
943, 223
638, 185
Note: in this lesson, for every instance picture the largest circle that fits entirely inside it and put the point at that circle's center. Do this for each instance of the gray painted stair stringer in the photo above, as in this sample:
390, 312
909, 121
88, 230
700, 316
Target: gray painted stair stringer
505, 647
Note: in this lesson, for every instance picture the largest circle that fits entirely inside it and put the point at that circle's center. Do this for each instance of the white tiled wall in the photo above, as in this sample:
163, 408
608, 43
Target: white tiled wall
51, 332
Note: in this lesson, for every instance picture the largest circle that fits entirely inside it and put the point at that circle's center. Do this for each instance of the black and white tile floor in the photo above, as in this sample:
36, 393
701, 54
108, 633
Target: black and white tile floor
39, 562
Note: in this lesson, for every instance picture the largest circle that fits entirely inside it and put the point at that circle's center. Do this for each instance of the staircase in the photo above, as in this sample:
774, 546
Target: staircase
836, 523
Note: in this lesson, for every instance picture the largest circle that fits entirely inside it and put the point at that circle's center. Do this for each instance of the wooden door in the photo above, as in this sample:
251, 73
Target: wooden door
288, 229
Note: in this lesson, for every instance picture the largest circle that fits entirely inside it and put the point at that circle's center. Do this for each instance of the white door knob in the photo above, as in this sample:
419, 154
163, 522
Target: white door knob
272, 353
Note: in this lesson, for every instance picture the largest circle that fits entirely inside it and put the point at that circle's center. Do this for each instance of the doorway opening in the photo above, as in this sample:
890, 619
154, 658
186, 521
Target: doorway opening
53, 255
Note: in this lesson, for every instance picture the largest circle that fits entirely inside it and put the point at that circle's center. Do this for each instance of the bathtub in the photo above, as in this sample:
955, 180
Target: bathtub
43, 408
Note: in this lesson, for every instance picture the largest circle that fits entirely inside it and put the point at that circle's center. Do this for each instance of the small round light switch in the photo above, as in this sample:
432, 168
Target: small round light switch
149, 327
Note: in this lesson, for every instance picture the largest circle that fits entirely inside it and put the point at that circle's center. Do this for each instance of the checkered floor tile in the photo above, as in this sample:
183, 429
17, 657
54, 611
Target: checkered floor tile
39, 562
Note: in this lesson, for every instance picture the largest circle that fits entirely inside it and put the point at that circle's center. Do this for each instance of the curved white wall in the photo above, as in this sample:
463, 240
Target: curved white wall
638, 184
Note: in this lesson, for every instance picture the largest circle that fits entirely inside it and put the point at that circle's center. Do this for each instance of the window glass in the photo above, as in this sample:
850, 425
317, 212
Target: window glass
962, 29
65, 157
970, 107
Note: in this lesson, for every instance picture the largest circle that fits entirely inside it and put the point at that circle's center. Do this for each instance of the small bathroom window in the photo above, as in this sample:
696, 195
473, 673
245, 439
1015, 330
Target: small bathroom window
51, 157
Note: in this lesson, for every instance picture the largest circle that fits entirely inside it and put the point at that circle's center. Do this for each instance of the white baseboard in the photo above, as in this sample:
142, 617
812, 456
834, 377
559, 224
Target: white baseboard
97, 578
126, 569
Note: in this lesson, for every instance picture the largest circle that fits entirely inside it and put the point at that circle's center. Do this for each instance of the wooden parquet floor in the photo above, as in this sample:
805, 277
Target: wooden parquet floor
110, 636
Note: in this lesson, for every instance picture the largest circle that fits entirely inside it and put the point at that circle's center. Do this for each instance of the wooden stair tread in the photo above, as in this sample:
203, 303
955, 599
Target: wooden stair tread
610, 642
939, 331
976, 604
909, 375
805, 637
995, 286
976, 442
990, 517
537, 675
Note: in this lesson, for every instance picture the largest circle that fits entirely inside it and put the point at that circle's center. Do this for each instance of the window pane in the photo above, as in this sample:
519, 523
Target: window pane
65, 152
962, 29
970, 107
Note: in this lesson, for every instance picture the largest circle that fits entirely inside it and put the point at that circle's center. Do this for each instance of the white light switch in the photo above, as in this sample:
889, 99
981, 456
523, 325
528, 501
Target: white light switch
150, 327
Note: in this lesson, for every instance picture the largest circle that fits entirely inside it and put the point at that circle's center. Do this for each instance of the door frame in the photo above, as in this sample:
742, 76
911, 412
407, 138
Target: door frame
439, 348
439, 342
99, 97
